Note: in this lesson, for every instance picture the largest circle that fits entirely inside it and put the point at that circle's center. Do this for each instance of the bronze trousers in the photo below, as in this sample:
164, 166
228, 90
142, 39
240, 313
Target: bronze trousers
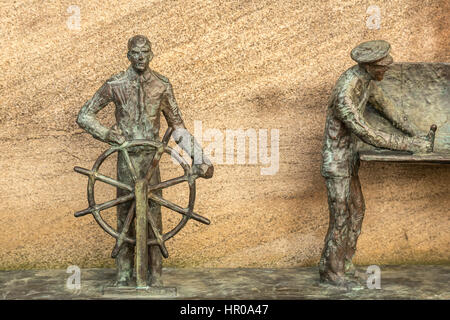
346, 208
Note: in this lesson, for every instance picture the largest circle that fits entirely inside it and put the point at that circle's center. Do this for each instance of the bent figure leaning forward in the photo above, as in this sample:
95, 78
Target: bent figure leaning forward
340, 164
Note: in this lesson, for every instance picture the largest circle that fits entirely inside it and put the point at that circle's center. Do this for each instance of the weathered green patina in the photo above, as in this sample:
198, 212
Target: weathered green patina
376, 120
140, 96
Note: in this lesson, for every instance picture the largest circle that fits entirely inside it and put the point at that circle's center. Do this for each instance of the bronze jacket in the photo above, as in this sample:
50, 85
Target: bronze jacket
345, 123
139, 101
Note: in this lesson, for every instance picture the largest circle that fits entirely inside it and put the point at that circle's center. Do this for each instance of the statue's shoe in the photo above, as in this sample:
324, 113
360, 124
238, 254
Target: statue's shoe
121, 283
123, 280
354, 274
342, 282
156, 281
361, 276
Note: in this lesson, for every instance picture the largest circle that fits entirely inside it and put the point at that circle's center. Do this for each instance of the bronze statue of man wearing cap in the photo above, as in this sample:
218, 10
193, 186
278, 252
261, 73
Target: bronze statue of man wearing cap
344, 121
140, 95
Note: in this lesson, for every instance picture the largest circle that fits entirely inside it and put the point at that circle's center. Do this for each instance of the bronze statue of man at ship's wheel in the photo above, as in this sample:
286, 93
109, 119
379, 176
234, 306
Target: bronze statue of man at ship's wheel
140, 95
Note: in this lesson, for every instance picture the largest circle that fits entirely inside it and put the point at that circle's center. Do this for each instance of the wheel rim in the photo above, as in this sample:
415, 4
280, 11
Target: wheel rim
94, 175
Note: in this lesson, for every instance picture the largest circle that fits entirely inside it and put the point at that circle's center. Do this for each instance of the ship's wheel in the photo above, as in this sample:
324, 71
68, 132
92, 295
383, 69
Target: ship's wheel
121, 235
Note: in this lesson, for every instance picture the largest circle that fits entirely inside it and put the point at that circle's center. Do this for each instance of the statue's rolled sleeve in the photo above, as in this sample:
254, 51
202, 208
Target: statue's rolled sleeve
170, 109
87, 116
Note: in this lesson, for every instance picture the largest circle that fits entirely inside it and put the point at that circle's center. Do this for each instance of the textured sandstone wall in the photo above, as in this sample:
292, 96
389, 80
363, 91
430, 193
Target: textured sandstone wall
233, 64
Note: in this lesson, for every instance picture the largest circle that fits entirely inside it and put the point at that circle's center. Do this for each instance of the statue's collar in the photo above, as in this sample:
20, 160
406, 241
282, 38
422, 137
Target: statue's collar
362, 73
133, 75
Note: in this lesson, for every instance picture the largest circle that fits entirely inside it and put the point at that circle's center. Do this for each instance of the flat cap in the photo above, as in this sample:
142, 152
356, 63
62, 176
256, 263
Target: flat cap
371, 51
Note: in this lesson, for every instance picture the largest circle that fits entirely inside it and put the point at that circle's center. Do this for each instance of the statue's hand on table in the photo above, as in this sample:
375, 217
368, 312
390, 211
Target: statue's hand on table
424, 144
421, 145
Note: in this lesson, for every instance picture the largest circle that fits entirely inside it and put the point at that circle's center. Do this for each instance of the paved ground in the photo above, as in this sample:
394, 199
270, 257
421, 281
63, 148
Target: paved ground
397, 282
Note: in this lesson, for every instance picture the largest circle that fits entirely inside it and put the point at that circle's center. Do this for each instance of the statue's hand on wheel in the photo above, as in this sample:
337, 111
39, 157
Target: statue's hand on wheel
114, 136
203, 170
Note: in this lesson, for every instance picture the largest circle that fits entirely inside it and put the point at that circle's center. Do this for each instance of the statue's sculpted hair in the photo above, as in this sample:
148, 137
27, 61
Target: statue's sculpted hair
138, 40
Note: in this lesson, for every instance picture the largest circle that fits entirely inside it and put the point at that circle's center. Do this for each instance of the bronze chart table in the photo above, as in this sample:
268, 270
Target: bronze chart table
422, 90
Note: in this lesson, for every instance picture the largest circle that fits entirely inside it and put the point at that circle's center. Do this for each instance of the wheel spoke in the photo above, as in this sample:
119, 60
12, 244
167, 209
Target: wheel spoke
167, 183
167, 135
154, 164
105, 205
177, 208
123, 233
103, 178
115, 202
129, 164
157, 234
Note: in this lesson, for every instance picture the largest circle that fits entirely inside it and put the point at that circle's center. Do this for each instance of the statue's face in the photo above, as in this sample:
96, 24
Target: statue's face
140, 56
376, 71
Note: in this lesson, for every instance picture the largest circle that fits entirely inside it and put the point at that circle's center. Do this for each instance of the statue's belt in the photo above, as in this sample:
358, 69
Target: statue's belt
141, 149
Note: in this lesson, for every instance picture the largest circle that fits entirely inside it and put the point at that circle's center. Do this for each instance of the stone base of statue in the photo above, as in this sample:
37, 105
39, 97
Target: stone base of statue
132, 292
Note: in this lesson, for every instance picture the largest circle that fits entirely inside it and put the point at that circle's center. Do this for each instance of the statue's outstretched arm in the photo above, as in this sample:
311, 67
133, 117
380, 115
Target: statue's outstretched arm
395, 115
347, 112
